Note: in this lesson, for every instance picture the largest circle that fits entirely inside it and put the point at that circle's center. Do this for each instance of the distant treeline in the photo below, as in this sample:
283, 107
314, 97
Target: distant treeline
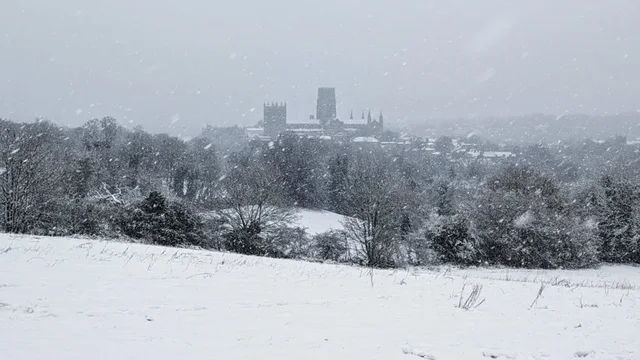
569, 205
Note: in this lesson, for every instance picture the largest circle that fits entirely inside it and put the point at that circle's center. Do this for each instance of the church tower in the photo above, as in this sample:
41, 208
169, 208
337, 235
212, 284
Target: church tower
275, 119
326, 105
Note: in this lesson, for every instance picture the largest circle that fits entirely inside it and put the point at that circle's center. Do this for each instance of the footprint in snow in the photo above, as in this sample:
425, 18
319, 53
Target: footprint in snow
583, 354
421, 354
496, 354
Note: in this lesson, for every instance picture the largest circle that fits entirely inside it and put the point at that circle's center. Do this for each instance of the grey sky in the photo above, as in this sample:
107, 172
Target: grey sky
174, 65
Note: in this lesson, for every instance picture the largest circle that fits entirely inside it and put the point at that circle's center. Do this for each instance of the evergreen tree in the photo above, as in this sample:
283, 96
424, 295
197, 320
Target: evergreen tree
617, 218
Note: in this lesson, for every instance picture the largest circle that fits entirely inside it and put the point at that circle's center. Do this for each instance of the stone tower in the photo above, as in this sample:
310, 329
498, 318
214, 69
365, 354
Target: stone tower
275, 119
326, 105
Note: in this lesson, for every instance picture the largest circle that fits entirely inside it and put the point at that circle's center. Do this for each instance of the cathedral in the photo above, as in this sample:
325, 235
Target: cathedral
325, 121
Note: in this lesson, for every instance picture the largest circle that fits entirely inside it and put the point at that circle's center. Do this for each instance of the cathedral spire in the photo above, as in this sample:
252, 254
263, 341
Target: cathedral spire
381, 119
351, 116
369, 117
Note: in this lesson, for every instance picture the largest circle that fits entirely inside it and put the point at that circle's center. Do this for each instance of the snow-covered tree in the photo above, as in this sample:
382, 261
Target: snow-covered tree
31, 158
523, 220
615, 200
250, 202
376, 204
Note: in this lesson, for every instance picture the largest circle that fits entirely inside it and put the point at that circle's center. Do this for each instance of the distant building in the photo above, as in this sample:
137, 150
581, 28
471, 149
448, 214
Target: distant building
275, 119
326, 109
324, 123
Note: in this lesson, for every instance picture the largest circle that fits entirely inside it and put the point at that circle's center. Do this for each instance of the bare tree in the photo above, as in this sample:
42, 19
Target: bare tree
30, 176
250, 204
376, 208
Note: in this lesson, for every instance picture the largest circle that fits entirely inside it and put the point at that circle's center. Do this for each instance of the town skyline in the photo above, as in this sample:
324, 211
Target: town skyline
174, 67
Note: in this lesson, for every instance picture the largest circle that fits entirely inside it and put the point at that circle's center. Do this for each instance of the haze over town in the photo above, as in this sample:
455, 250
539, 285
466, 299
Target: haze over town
175, 66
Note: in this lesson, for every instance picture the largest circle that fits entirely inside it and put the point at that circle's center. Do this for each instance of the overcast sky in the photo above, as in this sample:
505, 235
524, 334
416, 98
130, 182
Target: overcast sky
174, 66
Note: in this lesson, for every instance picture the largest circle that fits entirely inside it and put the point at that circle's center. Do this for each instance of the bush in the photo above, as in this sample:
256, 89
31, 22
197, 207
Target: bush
245, 241
162, 222
544, 243
67, 216
287, 242
331, 245
452, 242
278, 242
524, 221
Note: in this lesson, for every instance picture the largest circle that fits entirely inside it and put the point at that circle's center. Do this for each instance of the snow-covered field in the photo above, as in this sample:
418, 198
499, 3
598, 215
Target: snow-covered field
317, 221
80, 299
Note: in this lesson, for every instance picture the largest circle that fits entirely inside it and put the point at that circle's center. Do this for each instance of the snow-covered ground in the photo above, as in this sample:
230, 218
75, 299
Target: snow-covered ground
313, 221
80, 299
317, 221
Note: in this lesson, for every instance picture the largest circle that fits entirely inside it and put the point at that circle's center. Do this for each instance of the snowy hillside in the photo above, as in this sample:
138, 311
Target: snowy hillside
79, 299
313, 221
318, 221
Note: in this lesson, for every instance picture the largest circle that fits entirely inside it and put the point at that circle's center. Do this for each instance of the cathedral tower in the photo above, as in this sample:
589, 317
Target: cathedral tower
275, 119
326, 105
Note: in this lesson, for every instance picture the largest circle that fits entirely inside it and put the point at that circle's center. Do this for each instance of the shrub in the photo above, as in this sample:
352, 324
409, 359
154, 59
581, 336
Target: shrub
162, 222
331, 245
277, 241
524, 221
452, 242
245, 241
287, 242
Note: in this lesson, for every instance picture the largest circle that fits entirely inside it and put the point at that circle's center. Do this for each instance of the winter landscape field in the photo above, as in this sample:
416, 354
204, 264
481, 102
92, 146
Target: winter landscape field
69, 298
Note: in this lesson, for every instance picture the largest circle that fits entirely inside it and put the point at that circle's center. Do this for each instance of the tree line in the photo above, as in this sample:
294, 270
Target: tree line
565, 205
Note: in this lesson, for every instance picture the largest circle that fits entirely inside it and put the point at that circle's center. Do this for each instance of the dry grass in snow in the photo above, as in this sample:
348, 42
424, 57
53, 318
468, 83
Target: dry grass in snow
78, 299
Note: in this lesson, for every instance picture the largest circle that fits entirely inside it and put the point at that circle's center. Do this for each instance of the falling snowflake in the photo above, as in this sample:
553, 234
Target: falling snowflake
524, 220
486, 75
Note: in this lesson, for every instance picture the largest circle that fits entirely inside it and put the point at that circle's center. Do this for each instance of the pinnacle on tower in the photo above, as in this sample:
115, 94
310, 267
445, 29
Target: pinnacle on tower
351, 116
362, 114
381, 118
369, 117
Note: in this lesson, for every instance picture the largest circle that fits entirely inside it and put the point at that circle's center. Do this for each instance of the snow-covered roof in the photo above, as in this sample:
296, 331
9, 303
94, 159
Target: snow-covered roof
492, 154
395, 142
354, 122
254, 132
367, 139
306, 130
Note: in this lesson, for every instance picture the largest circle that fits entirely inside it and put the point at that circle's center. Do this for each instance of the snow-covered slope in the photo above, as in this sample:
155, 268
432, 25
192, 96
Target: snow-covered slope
318, 221
313, 221
79, 299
